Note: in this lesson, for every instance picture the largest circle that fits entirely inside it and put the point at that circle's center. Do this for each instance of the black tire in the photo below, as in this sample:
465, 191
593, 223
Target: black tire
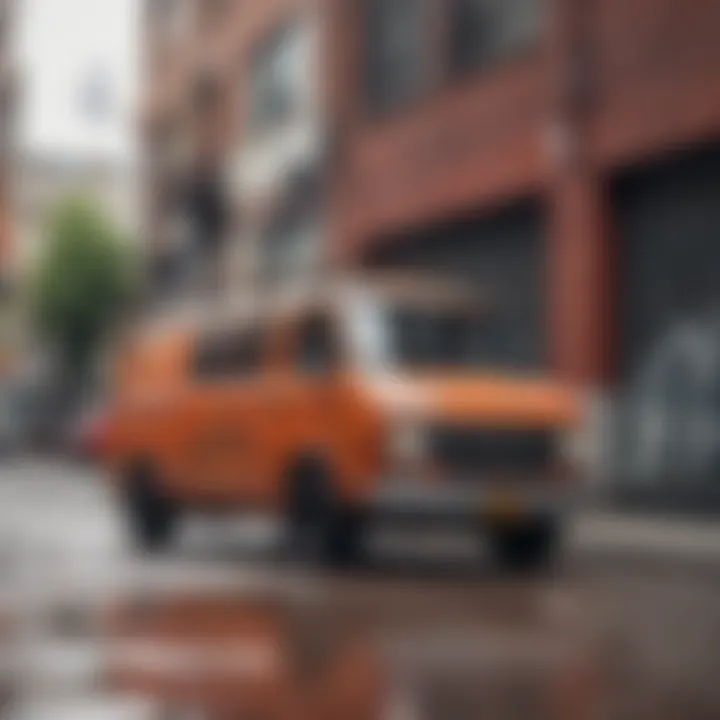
152, 518
321, 530
532, 546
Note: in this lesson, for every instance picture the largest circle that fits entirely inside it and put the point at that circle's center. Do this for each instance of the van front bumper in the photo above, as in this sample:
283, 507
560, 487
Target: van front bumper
477, 500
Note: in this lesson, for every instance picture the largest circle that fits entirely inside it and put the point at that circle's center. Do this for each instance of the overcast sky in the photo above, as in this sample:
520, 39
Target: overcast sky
78, 65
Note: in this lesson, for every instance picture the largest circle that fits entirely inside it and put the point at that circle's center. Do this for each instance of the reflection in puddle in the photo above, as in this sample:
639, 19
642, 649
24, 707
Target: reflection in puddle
354, 657
641, 646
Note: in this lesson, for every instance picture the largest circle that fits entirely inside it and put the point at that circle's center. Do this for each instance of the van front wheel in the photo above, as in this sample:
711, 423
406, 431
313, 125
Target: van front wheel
151, 517
533, 546
319, 528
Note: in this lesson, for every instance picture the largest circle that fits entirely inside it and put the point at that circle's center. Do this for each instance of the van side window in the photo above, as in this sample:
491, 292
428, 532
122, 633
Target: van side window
229, 354
317, 349
209, 356
245, 352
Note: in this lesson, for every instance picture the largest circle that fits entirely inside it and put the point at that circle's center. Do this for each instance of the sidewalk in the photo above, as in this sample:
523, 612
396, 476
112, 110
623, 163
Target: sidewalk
615, 534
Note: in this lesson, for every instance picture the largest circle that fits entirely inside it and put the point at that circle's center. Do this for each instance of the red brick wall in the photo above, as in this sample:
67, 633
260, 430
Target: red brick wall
615, 82
656, 80
475, 144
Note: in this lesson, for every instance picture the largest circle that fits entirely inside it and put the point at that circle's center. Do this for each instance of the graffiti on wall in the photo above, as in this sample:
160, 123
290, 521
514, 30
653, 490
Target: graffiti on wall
672, 408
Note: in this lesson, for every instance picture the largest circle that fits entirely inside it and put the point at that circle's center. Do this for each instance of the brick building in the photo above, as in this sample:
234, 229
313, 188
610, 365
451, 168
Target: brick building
185, 123
565, 154
234, 124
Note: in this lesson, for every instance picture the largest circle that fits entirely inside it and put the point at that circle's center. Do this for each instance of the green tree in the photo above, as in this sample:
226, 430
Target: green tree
84, 280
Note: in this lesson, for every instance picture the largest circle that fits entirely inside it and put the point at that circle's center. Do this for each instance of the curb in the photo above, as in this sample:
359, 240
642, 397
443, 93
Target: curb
615, 535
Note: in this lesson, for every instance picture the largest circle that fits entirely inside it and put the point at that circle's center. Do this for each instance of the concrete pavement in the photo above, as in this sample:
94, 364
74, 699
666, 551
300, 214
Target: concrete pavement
601, 532
38, 500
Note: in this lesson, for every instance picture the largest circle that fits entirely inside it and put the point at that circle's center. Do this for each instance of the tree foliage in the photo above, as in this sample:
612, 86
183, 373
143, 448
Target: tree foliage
83, 281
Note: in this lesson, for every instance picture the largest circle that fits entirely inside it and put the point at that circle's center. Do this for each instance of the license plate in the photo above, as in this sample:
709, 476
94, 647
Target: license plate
503, 506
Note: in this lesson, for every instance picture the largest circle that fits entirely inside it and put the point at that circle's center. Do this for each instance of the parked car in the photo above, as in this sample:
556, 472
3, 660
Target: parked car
367, 398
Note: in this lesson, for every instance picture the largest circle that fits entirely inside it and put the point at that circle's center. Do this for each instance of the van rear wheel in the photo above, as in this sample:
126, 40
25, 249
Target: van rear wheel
320, 529
151, 517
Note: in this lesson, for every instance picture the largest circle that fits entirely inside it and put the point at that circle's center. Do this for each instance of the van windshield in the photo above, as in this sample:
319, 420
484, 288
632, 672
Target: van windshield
419, 336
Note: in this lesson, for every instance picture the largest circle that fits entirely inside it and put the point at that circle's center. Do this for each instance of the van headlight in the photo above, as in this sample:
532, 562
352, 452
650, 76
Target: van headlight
409, 444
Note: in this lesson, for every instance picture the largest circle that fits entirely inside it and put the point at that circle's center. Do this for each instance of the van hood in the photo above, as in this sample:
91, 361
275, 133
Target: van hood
513, 400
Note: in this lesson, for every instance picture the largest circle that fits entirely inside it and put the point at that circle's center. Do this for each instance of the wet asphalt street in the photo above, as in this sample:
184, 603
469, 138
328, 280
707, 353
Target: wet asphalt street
222, 628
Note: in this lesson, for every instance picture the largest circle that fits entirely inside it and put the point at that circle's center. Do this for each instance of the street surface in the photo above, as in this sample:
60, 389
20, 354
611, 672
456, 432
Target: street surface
222, 627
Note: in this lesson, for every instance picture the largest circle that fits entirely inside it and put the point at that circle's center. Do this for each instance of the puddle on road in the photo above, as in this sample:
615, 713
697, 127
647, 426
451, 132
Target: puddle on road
369, 647
351, 656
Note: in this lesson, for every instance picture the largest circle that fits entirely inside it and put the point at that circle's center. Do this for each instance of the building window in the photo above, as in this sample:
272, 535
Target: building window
291, 249
399, 35
277, 74
292, 238
486, 31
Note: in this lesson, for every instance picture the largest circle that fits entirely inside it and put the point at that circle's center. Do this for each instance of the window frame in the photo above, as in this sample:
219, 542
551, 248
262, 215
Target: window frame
501, 56
292, 242
261, 55
442, 73
375, 106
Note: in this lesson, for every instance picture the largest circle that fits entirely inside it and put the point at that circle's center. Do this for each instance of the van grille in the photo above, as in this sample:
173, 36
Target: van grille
471, 450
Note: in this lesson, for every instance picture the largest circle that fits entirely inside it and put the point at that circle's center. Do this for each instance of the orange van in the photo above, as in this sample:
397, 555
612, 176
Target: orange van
369, 397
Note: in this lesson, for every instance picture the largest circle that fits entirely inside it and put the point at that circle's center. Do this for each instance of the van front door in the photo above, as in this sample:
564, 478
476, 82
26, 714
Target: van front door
313, 394
221, 446
239, 418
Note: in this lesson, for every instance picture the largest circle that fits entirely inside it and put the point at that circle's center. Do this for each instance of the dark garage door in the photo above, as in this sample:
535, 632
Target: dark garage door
668, 422
504, 255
